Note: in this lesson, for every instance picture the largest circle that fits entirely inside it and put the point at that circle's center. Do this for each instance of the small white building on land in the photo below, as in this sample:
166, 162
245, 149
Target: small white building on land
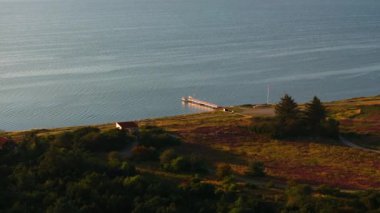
130, 126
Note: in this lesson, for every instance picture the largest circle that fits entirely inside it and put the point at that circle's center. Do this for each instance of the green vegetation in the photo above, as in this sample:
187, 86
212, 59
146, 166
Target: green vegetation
223, 170
208, 162
292, 122
66, 174
152, 136
142, 153
288, 120
256, 169
360, 120
170, 161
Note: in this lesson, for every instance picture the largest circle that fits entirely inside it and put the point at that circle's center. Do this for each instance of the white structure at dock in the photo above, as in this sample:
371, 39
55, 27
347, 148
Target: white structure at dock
192, 100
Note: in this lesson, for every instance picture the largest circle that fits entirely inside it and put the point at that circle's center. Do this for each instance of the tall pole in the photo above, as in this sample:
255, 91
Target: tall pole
268, 91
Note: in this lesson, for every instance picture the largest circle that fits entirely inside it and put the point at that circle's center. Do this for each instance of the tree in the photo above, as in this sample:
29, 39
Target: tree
315, 114
288, 118
287, 108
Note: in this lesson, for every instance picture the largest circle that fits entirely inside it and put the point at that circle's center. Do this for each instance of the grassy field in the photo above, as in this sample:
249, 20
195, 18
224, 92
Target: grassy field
360, 119
224, 137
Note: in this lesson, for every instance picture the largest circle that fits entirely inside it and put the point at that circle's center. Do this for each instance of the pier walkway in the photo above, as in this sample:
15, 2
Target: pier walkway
192, 100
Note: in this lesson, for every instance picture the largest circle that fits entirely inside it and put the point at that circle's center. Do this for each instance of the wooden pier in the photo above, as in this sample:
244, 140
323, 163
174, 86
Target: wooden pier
192, 100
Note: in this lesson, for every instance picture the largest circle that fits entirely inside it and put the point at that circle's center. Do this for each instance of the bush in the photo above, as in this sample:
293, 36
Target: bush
324, 189
371, 200
114, 159
223, 170
256, 169
157, 138
127, 169
196, 188
142, 153
84, 131
65, 140
292, 127
116, 139
92, 139
197, 164
299, 198
244, 205
170, 161
265, 128
330, 128
167, 156
180, 164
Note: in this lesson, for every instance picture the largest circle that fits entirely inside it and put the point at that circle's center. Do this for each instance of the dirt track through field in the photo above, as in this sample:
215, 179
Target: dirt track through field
350, 144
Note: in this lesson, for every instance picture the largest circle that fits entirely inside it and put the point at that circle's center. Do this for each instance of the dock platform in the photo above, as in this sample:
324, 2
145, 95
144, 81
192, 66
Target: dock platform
192, 100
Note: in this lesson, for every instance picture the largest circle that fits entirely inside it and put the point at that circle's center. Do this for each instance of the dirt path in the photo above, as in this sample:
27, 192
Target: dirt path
350, 144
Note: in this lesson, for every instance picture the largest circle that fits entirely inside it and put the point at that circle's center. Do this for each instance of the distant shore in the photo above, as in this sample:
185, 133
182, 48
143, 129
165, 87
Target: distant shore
263, 109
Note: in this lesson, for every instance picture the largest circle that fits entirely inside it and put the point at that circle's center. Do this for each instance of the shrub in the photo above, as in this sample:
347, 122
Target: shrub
291, 127
114, 159
371, 200
269, 184
127, 169
256, 169
142, 153
110, 140
167, 156
170, 161
180, 164
84, 131
299, 198
118, 167
330, 128
93, 141
264, 128
65, 140
157, 138
244, 205
197, 164
324, 189
223, 170
229, 184
196, 188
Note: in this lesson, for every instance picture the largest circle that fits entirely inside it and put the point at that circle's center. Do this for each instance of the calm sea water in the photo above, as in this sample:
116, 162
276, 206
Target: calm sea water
74, 62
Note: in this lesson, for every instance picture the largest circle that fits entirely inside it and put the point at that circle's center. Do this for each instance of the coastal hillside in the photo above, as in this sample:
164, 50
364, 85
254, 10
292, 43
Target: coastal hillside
247, 158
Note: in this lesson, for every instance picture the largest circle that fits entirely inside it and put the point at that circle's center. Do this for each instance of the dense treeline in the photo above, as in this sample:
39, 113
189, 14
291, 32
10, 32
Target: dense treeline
84, 171
80, 171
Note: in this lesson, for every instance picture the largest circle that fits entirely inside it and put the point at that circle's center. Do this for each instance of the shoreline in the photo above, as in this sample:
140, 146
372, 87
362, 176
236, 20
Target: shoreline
112, 123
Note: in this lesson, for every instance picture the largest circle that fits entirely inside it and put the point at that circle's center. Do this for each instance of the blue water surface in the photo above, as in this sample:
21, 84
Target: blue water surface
78, 62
